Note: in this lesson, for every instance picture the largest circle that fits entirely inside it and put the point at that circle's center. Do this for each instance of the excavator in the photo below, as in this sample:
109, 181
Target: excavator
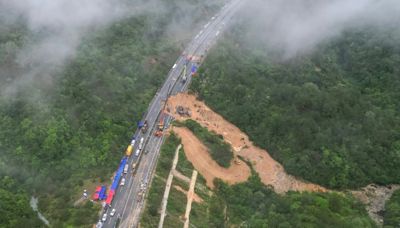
160, 126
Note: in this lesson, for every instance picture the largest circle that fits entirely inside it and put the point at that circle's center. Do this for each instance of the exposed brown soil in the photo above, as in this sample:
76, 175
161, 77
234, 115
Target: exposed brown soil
196, 198
270, 171
198, 154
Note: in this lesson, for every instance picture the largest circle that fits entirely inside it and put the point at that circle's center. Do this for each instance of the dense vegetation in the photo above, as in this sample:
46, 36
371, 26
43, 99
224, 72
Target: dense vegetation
250, 204
255, 205
392, 211
57, 138
219, 150
331, 117
14, 206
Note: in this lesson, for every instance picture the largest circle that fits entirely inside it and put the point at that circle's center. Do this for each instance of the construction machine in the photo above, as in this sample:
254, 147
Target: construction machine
160, 126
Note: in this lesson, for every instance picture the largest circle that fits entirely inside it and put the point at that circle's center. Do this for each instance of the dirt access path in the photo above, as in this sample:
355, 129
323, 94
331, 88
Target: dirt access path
196, 198
270, 171
197, 153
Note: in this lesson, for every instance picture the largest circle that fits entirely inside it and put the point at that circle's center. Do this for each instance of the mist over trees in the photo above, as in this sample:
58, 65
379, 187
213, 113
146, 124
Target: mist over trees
330, 116
71, 89
65, 120
300, 27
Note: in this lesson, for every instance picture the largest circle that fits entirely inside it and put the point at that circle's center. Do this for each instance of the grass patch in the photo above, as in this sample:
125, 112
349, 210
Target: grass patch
219, 150
175, 209
180, 183
392, 211
198, 214
184, 166
166, 155
151, 216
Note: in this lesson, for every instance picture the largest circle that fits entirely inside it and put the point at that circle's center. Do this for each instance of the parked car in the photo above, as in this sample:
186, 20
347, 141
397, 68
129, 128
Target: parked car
104, 218
112, 213
122, 182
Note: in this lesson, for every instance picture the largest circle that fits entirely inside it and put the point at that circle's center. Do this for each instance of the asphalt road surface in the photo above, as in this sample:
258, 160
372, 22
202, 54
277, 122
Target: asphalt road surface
129, 199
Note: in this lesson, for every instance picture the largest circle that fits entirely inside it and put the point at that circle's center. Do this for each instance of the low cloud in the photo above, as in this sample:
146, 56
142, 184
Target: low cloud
56, 28
298, 26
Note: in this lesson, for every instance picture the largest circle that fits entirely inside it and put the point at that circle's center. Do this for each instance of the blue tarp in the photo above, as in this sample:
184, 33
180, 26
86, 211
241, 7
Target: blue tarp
102, 194
194, 69
140, 124
117, 177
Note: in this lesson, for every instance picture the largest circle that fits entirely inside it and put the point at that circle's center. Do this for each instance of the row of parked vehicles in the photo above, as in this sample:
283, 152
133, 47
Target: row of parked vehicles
119, 178
123, 168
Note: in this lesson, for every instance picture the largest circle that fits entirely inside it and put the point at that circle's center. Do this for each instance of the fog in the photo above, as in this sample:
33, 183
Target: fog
298, 26
63, 22
291, 27
57, 28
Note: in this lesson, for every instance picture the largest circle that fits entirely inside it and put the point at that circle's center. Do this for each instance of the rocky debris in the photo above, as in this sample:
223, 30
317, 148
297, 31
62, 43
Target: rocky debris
375, 197
183, 111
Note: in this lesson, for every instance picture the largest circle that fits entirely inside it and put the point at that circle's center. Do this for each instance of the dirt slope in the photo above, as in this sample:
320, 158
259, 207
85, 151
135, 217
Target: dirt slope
197, 153
270, 171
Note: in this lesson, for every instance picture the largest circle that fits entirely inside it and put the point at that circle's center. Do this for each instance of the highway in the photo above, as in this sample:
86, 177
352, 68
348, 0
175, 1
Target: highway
129, 199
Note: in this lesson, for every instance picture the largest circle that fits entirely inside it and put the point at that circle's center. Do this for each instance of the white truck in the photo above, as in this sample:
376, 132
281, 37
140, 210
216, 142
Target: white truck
133, 141
126, 168
137, 153
141, 143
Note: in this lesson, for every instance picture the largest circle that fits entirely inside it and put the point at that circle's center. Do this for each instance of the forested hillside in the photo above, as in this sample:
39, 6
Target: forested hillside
250, 204
331, 116
14, 208
392, 211
255, 205
60, 133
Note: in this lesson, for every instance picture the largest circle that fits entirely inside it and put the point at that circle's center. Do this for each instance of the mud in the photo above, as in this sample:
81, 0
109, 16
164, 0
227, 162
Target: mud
269, 170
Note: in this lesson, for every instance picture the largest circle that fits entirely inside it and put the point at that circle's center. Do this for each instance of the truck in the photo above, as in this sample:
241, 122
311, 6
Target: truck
133, 141
142, 125
160, 126
184, 77
141, 143
193, 70
126, 168
137, 153
128, 151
